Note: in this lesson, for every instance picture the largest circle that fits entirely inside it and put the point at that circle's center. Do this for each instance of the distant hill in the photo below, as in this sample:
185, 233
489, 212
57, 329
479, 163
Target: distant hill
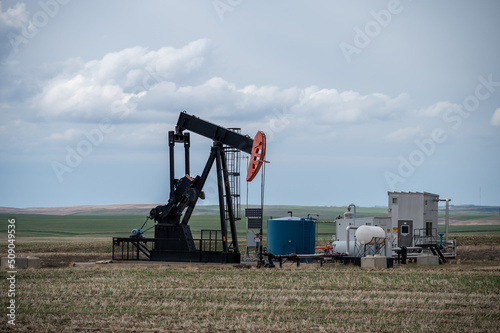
321, 212
139, 209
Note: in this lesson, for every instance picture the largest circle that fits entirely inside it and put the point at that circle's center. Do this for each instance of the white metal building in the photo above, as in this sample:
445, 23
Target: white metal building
412, 222
414, 217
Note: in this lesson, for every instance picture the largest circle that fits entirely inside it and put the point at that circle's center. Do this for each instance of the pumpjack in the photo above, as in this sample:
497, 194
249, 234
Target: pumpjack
173, 240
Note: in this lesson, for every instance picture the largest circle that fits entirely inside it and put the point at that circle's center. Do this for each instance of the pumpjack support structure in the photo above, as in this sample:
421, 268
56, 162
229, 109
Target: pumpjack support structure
173, 240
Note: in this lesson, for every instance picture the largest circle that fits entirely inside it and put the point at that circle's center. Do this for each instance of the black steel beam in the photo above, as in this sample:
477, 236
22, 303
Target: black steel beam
215, 132
187, 144
171, 144
220, 188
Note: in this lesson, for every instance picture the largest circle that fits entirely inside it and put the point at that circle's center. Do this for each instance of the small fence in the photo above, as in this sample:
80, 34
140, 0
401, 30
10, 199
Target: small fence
425, 236
140, 248
130, 248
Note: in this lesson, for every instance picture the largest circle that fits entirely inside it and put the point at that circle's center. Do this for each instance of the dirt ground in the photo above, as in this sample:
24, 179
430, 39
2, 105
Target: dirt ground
484, 254
60, 260
60, 252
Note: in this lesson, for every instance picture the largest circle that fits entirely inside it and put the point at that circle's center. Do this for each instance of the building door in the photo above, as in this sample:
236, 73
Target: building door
405, 233
428, 228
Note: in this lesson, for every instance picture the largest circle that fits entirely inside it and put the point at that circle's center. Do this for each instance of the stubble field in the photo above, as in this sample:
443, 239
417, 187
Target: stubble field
462, 296
205, 298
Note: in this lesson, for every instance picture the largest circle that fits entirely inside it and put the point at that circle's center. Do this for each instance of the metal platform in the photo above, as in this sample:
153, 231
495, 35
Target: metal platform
207, 249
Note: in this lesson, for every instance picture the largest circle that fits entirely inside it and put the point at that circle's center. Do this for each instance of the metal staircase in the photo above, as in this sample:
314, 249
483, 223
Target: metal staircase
427, 238
233, 171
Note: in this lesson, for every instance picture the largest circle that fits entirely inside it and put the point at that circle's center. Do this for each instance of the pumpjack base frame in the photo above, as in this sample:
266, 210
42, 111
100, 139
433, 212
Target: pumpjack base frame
144, 249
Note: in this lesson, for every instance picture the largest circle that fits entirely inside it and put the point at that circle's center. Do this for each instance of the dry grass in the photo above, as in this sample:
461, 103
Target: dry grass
209, 298
462, 296
475, 240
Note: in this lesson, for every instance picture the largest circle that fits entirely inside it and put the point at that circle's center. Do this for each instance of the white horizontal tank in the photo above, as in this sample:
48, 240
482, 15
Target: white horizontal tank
341, 246
367, 235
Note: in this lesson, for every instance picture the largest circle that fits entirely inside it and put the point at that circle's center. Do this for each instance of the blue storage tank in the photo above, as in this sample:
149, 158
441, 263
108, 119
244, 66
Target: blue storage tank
289, 235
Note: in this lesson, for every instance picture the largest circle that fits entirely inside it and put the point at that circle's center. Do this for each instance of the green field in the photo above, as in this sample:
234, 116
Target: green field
470, 212
37, 225
28, 225
471, 229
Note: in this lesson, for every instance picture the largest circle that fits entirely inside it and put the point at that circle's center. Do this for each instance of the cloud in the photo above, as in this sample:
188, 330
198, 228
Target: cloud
257, 98
137, 87
67, 135
438, 109
114, 84
332, 107
278, 110
150, 135
495, 119
13, 17
137, 82
403, 134
218, 98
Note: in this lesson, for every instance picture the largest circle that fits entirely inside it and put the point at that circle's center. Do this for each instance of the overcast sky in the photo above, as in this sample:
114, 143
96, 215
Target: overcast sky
357, 98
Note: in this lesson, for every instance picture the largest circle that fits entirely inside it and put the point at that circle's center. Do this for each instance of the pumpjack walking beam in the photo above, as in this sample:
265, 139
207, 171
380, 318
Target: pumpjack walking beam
256, 147
214, 132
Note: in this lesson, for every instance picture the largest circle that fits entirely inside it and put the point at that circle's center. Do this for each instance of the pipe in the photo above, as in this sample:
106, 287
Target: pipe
347, 232
446, 218
354, 213
388, 245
